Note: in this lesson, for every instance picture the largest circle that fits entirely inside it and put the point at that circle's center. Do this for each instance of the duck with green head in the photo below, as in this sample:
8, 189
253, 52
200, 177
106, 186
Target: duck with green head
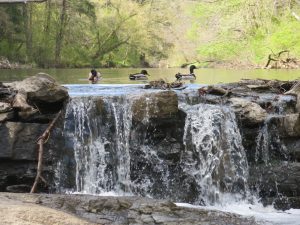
190, 76
143, 75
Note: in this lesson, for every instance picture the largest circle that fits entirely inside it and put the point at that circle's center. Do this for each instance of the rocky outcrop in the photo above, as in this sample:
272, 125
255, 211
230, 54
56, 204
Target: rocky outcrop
25, 109
248, 112
153, 139
268, 117
41, 92
111, 210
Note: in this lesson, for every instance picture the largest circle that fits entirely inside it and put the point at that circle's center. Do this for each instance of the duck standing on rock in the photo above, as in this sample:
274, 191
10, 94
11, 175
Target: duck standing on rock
143, 75
190, 76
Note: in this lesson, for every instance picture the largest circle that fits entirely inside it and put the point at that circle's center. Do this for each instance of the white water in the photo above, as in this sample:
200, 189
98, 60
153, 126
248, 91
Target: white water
211, 137
263, 215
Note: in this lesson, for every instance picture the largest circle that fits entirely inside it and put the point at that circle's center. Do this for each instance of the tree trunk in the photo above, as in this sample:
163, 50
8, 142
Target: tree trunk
61, 32
27, 13
47, 22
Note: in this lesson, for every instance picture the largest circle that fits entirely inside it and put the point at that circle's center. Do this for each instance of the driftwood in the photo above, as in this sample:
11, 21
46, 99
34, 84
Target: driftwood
274, 57
41, 141
282, 62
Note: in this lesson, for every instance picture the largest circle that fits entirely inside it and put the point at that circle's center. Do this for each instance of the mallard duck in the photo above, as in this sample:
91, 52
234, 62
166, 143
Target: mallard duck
94, 76
190, 76
143, 75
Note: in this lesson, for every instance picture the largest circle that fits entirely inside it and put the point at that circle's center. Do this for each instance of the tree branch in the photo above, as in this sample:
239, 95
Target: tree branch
41, 141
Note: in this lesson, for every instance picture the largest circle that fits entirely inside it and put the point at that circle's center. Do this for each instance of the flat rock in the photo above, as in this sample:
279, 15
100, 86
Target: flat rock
120, 210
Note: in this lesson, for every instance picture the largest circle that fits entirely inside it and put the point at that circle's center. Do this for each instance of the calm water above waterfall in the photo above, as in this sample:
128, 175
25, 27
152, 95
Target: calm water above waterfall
120, 76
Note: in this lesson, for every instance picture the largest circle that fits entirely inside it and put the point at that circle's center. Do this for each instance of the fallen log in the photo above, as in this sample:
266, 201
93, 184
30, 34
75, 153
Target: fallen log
41, 141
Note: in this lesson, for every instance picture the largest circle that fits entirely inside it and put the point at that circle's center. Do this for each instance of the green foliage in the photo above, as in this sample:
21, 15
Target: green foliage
238, 30
92, 32
132, 33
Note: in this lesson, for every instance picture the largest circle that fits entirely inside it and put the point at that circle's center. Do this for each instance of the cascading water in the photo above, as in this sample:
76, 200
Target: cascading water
131, 145
268, 142
213, 151
100, 143
193, 162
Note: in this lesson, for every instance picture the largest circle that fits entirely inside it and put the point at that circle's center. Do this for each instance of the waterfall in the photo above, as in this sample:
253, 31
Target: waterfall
195, 156
268, 142
99, 131
214, 152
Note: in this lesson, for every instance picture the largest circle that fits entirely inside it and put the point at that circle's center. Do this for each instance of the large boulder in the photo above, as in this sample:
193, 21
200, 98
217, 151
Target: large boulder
42, 88
162, 105
41, 92
248, 112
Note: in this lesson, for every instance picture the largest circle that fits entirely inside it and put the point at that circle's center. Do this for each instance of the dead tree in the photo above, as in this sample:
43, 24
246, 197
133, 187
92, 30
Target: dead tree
41, 141
275, 57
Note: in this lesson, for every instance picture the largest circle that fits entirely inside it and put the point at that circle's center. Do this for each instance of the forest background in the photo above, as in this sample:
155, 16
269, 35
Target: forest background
141, 33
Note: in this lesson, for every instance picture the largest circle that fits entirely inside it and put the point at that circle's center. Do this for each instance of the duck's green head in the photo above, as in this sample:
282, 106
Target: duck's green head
144, 72
192, 68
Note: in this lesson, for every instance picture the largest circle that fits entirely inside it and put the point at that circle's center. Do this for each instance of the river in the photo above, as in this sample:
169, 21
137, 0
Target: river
120, 76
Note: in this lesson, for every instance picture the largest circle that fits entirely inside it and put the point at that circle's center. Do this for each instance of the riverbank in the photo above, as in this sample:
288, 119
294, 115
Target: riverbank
41, 209
211, 64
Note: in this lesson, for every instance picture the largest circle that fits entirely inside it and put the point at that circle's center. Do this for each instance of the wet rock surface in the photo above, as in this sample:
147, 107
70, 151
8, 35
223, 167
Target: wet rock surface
23, 119
270, 135
153, 137
124, 210
247, 111
161, 105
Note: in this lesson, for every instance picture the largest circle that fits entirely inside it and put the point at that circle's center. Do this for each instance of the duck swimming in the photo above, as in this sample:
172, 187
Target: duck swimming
190, 76
143, 75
